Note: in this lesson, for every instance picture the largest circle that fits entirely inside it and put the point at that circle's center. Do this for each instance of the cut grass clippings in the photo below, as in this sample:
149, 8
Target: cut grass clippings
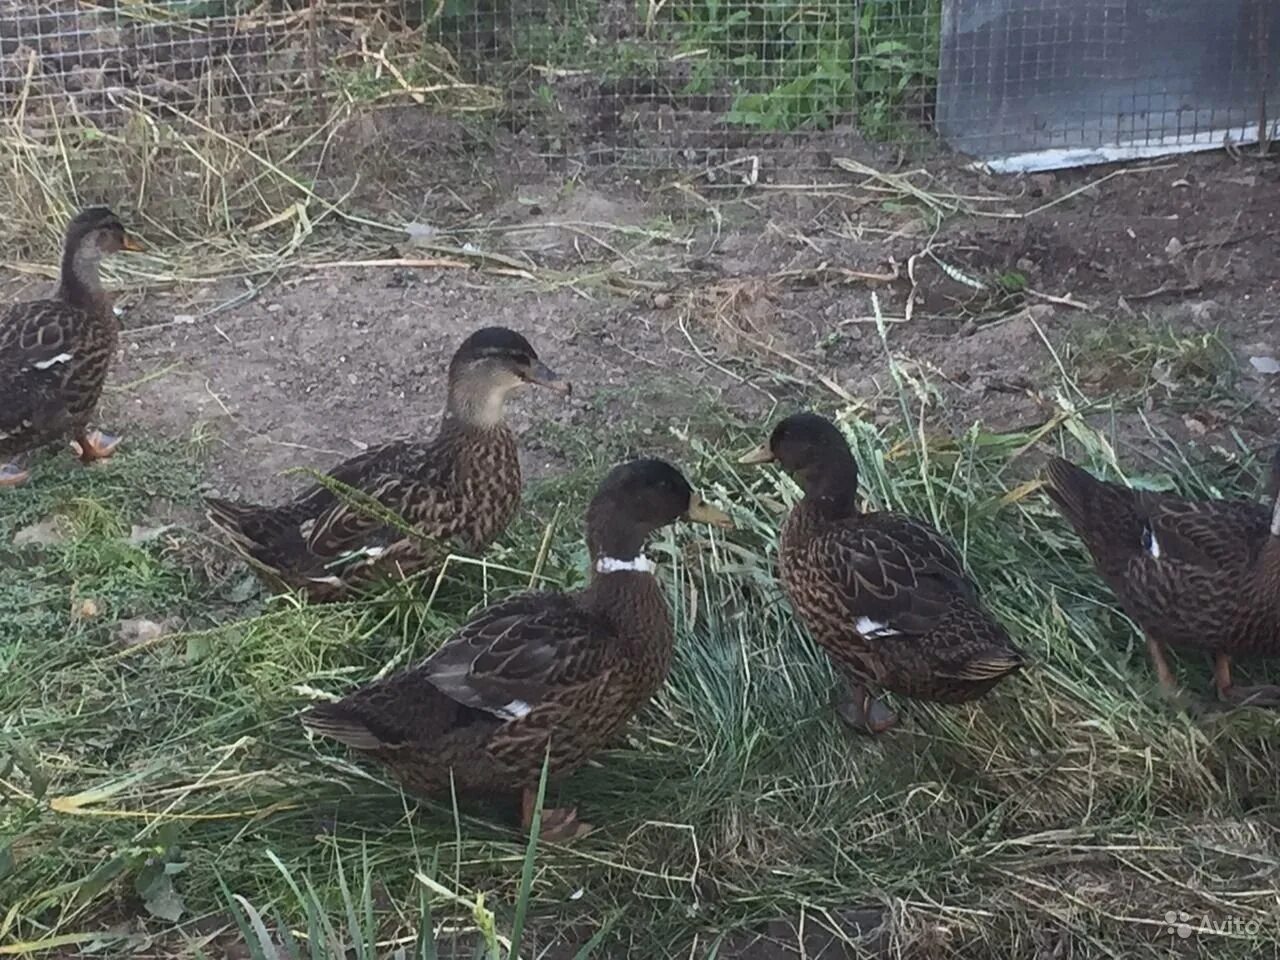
169, 792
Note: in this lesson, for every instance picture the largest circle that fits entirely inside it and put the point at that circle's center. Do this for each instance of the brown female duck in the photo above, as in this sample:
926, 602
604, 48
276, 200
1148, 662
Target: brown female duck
1197, 574
569, 668
463, 484
885, 595
55, 353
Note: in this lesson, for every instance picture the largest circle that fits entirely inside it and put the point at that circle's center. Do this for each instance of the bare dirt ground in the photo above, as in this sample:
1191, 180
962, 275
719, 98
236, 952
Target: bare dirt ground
653, 299
763, 283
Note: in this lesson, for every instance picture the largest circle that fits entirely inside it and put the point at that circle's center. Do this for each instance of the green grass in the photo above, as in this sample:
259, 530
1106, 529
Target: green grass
802, 65
166, 793
789, 64
1132, 358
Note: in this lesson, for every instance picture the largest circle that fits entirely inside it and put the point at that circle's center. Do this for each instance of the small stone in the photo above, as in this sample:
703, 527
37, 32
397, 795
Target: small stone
1173, 247
1204, 311
662, 301
140, 534
1268, 365
139, 630
48, 532
84, 608
1194, 426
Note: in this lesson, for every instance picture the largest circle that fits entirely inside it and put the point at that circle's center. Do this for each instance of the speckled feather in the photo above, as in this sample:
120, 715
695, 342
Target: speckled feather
464, 486
44, 399
1212, 581
580, 664
938, 643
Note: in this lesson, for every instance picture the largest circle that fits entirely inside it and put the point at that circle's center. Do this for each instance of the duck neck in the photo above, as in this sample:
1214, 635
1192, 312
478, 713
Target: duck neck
1271, 556
78, 281
614, 542
476, 404
831, 488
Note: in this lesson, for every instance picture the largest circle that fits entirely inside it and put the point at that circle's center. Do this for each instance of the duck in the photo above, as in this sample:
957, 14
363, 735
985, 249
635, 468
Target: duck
1192, 574
886, 596
55, 353
568, 669
345, 532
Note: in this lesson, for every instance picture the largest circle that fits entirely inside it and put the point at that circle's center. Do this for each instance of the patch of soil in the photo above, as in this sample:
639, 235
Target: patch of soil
329, 360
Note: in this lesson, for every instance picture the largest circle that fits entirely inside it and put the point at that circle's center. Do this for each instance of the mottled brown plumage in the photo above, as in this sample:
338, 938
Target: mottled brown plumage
885, 595
570, 669
391, 510
55, 353
1196, 574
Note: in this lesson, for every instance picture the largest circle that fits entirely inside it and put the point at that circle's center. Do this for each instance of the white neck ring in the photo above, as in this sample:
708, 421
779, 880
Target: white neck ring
640, 564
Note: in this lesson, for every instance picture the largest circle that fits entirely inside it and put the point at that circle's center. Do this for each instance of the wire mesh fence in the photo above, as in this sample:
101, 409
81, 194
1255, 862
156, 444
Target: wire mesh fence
230, 109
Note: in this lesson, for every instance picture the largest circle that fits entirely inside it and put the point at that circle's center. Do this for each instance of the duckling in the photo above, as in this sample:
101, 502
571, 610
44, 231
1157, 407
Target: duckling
566, 668
1196, 574
464, 484
55, 353
885, 595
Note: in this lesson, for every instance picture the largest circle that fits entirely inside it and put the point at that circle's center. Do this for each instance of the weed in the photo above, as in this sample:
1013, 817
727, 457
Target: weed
175, 781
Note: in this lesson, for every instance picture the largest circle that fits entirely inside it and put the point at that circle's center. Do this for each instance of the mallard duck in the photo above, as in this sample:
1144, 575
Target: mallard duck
885, 595
463, 484
571, 668
1198, 574
54, 353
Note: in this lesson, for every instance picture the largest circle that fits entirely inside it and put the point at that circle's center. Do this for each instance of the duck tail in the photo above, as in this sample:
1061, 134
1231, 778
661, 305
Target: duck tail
1085, 501
338, 722
230, 517
1273, 494
996, 661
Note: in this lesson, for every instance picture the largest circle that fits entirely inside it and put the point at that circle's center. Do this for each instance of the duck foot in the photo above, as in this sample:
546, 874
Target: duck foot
95, 445
561, 823
1261, 695
558, 823
13, 474
863, 713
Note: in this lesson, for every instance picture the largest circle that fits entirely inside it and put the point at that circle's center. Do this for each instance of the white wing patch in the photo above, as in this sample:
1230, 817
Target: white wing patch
874, 628
52, 361
1151, 543
513, 710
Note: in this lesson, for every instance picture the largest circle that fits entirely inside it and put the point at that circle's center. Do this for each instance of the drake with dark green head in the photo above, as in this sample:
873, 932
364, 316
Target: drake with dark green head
1195, 574
55, 353
463, 484
885, 595
564, 669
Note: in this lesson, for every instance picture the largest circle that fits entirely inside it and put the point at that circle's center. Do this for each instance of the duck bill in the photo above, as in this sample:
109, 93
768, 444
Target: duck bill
761, 454
133, 244
703, 512
544, 376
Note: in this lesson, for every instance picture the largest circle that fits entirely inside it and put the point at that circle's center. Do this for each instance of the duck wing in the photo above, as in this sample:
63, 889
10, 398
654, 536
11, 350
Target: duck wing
345, 518
1119, 525
40, 345
399, 482
496, 669
509, 658
894, 575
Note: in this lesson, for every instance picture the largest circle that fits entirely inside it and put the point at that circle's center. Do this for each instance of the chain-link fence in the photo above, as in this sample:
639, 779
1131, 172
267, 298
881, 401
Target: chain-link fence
200, 97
